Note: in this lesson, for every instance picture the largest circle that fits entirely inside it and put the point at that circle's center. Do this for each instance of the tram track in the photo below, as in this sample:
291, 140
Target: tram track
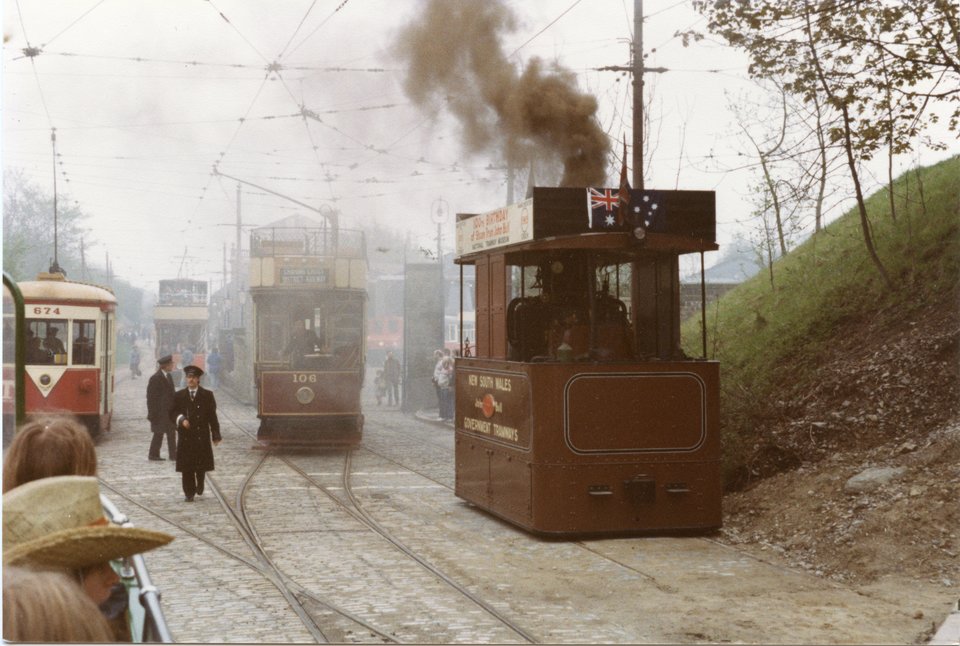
283, 579
284, 583
402, 477
294, 594
354, 508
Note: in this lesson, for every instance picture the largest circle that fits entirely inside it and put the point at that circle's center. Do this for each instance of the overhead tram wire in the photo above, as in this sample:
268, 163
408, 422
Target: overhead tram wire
32, 52
198, 63
297, 30
666, 9
68, 27
318, 27
276, 68
551, 24
233, 138
239, 33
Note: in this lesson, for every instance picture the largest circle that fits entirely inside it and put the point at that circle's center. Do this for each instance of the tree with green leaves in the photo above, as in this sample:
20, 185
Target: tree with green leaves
881, 68
28, 241
28, 230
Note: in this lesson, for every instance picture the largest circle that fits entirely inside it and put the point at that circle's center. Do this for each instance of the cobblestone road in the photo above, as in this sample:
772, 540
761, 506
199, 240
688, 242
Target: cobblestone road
359, 587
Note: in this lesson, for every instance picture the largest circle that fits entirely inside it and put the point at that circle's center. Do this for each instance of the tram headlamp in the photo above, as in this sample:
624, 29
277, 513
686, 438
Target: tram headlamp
44, 380
639, 233
305, 395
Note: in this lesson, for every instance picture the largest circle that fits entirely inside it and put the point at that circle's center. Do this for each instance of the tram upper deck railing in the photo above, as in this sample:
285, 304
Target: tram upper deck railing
147, 619
182, 293
277, 241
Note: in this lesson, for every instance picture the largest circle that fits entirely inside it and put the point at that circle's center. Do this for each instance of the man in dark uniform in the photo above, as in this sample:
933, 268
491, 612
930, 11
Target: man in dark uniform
160, 392
194, 412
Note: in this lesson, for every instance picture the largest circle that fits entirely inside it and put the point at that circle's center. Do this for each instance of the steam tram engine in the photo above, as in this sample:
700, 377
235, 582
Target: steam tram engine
308, 285
69, 359
579, 413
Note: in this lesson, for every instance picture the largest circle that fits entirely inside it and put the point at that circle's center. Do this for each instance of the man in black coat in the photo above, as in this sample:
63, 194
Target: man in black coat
194, 412
160, 392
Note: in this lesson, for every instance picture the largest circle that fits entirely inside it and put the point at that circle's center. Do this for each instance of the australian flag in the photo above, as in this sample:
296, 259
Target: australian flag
603, 204
643, 208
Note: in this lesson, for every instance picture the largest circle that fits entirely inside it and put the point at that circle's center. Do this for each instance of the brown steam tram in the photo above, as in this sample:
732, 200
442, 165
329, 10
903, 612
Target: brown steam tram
308, 285
579, 413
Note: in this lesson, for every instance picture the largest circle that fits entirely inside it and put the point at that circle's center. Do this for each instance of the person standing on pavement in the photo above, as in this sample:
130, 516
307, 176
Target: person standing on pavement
391, 375
134, 361
160, 392
194, 412
445, 382
437, 371
186, 358
214, 364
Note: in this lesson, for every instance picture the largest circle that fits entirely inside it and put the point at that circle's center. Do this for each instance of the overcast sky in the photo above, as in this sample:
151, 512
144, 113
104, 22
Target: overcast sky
147, 96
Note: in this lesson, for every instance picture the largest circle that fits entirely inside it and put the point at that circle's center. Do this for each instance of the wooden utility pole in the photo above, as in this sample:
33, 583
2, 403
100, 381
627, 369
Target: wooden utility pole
638, 94
637, 69
236, 265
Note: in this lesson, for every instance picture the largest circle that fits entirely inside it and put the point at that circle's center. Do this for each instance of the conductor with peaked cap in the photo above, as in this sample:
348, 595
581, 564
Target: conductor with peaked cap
194, 412
160, 392
58, 523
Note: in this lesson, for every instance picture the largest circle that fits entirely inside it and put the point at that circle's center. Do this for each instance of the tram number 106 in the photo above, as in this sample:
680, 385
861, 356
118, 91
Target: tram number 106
301, 378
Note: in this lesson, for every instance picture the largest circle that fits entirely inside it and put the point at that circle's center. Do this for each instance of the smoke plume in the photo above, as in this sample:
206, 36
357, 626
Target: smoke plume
454, 53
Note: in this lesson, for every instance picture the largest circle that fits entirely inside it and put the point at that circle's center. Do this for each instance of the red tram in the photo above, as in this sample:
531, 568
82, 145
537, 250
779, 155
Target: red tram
69, 358
308, 285
579, 413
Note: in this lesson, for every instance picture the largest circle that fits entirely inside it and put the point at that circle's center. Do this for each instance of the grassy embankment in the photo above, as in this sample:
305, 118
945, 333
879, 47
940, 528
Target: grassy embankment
768, 336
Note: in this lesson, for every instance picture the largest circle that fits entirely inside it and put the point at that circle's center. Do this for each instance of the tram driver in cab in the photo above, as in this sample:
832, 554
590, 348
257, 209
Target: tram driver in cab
304, 344
52, 343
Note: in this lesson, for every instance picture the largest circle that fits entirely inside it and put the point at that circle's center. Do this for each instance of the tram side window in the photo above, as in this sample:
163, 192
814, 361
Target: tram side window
84, 349
45, 341
273, 338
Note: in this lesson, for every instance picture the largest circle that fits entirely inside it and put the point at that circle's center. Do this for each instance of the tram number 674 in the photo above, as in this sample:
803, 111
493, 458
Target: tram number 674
299, 378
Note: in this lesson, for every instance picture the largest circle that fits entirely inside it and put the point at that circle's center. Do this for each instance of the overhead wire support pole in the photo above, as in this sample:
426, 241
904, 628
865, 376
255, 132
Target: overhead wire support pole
638, 95
236, 266
638, 69
55, 267
330, 215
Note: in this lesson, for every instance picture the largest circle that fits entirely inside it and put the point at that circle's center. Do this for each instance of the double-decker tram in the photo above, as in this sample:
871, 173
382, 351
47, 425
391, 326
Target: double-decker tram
180, 317
578, 412
70, 335
308, 285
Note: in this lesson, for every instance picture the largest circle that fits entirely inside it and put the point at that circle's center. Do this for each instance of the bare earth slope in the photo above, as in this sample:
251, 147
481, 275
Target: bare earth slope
886, 398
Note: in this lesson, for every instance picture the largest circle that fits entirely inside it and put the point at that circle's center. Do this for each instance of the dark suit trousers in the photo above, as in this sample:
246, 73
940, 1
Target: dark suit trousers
193, 482
160, 429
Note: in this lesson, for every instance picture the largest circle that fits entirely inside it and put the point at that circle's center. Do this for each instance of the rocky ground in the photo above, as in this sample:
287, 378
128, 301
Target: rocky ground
858, 478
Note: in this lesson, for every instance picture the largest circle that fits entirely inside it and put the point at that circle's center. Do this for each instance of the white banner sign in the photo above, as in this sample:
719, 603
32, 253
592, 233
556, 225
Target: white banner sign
504, 226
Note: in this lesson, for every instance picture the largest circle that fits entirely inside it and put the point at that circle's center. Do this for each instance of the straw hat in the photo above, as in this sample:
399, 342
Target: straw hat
58, 522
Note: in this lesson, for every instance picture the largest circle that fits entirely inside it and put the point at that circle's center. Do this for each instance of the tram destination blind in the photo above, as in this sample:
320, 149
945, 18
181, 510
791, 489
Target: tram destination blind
302, 275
